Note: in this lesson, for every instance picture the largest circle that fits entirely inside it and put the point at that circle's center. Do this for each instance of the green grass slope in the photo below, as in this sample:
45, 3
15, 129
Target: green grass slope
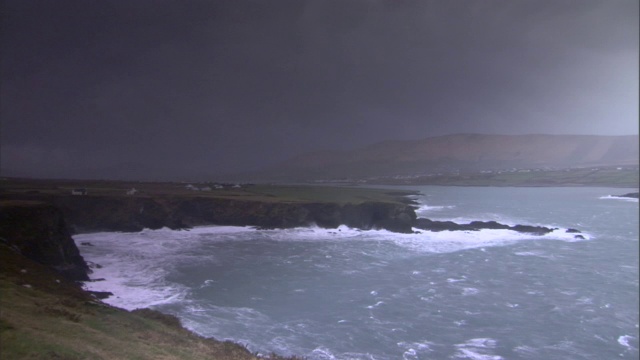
10, 187
43, 316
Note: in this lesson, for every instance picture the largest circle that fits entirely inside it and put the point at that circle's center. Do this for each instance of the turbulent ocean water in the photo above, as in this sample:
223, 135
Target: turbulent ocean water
349, 294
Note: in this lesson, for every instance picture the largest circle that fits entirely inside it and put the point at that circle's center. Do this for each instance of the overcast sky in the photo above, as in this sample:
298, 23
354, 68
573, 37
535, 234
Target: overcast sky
184, 88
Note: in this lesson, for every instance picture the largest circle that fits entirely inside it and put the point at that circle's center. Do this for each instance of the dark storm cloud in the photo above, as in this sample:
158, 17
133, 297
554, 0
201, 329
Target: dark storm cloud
171, 89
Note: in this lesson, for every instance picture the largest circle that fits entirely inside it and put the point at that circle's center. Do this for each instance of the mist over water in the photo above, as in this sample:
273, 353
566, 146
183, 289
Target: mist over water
349, 294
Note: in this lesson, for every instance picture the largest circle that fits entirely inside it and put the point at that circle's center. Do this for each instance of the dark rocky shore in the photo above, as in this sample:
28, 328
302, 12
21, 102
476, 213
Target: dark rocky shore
46, 314
628, 195
116, 213
40, 226
431, 225
38, 231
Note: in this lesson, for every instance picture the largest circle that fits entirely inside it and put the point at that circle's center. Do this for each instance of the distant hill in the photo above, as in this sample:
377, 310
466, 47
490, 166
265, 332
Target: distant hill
459, 153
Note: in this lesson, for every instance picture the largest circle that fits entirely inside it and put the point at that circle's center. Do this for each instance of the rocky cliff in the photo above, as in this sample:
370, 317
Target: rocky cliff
133, 214
38, 231
120, 213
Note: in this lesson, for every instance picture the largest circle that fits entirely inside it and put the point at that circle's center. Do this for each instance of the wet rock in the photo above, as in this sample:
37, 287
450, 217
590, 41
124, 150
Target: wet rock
100, 294
39, 231
431, 225
537, 230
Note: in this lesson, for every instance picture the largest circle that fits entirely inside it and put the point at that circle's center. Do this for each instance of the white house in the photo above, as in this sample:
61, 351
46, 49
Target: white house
132, 191
79, 192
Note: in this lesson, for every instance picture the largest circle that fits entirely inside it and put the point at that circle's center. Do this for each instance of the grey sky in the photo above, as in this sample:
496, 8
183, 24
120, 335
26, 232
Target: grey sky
181, 89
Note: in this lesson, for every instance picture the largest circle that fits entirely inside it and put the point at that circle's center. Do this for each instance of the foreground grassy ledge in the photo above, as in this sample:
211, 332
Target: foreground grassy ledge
45, 316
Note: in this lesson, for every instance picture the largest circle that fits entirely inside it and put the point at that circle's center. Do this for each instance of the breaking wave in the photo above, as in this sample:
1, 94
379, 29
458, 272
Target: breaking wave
134, 266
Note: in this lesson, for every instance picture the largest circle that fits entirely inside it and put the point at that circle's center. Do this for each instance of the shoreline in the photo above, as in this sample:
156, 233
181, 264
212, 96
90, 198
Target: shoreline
373, 215
47, 313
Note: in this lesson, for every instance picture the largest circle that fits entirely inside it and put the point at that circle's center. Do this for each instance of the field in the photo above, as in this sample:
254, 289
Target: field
607, 177
249, 192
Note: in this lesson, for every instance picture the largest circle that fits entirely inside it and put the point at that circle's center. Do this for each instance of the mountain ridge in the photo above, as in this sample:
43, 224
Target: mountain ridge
460, 152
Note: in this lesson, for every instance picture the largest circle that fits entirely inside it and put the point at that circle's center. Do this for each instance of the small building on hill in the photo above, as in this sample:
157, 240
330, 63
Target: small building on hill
80, 191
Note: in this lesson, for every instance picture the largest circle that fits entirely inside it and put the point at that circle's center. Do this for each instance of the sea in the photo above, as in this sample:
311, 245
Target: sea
350, 294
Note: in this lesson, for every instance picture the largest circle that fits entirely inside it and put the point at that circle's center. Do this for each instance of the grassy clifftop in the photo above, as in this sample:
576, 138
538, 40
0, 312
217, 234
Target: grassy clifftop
246, 192
106, 206
44, 316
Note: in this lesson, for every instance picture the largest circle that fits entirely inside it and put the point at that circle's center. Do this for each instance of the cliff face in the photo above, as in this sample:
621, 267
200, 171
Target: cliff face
133, 214
36, 225
38, 231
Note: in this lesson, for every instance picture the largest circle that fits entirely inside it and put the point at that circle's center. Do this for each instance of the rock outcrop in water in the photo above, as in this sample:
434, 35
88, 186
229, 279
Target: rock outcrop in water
38, 231
629, 195
431, 225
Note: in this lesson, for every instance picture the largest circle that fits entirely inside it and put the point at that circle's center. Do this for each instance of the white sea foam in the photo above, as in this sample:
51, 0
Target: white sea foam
486, 343
207, 283
126, 264
424, 208
134, 265
375, 305
469, 291
451, 241
414, 350
610, 197
464, 353
535, 253
526, 351
624, 341
322, 353
477, 349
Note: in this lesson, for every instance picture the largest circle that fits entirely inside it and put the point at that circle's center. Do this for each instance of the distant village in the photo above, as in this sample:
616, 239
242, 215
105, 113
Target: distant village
205, 187
216, 186
452, 173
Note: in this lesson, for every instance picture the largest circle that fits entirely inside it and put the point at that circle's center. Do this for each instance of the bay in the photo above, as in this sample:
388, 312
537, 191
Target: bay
349, 294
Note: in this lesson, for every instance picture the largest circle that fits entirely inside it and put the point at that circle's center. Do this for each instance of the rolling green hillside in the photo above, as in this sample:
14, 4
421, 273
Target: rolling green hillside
460, 153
